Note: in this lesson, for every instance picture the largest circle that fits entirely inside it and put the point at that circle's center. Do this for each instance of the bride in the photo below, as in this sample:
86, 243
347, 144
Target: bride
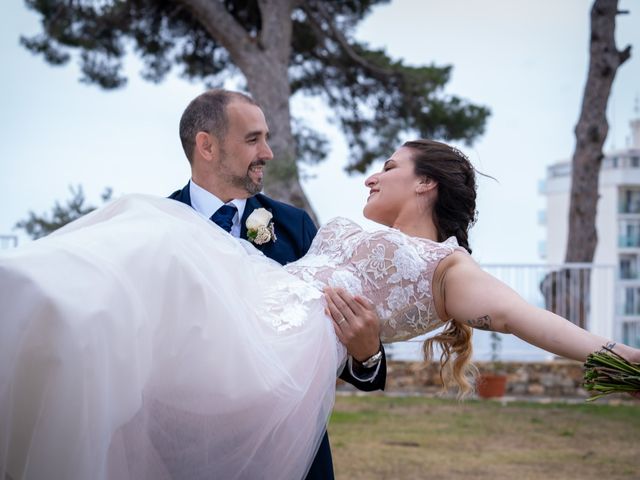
143, 341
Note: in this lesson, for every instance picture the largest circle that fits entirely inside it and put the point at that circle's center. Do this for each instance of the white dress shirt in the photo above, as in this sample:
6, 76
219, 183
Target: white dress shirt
206, 204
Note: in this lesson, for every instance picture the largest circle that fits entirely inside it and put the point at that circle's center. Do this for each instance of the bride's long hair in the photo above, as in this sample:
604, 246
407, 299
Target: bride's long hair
454, 213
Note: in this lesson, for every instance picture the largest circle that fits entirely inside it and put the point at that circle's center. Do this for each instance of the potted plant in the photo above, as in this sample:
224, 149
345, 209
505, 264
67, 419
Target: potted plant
493, 382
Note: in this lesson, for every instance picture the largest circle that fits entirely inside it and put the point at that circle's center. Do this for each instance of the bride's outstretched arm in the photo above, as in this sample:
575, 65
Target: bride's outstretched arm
472, 296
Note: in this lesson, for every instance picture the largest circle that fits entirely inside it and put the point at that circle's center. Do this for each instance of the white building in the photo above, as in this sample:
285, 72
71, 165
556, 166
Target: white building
618, 228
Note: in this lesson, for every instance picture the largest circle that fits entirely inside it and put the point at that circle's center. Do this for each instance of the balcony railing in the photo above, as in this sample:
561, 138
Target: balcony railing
628, 274
629, 209
629, 240
631, 309
561, 169
583, 293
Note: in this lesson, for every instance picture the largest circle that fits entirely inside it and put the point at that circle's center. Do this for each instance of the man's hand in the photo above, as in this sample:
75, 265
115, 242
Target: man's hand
355, 321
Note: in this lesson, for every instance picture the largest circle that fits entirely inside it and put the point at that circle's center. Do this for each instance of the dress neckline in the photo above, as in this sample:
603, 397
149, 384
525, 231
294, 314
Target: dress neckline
451, 242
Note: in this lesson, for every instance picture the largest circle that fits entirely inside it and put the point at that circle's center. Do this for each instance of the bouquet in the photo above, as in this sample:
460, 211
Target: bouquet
607, 372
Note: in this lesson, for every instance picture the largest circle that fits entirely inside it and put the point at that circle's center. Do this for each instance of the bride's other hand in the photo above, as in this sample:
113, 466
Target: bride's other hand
355, 321
634, 357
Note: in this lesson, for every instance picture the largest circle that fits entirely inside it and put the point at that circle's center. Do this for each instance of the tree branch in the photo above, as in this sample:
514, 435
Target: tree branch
625, 54
340, 38
221, 25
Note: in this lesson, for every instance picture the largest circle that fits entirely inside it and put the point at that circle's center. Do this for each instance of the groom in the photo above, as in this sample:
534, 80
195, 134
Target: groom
224, 136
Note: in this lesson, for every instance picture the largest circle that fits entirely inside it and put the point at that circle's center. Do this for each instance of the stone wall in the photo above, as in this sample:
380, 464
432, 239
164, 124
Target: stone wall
558, 378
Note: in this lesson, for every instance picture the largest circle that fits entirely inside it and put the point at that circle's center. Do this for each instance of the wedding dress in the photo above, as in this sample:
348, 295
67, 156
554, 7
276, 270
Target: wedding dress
144, 342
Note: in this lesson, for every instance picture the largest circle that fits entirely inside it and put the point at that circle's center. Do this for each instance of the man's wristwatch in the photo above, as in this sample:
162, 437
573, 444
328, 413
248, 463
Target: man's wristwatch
373, 360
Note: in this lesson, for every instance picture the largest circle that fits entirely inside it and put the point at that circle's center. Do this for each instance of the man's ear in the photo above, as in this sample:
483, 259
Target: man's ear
426, 185
206, 146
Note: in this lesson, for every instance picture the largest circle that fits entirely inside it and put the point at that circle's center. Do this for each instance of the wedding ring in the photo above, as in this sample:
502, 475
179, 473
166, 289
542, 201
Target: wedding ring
341, 321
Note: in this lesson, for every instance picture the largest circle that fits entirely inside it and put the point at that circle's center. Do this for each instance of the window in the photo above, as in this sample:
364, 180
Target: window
629, 231
630, 201
628, 267
631, 301
631, 333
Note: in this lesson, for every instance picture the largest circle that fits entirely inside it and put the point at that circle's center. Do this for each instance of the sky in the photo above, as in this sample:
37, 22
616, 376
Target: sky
526, 60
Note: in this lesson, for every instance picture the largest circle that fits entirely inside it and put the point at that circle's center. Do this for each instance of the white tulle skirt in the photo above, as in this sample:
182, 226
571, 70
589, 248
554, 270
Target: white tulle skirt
143, 342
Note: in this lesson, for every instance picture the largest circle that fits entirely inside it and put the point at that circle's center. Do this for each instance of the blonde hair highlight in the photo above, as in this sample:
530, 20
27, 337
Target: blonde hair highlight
455, 359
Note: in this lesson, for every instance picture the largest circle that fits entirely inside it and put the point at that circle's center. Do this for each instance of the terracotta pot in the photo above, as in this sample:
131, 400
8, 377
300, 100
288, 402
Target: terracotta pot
491, 385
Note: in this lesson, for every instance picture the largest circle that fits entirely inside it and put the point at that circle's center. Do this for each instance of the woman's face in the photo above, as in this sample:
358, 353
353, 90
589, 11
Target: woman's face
393, 190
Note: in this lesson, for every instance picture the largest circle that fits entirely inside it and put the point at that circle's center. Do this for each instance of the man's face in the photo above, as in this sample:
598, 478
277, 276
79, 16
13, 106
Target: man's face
244, 150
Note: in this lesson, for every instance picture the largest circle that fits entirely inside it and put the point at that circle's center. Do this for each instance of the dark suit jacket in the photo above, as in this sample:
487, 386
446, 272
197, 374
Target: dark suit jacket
295, 231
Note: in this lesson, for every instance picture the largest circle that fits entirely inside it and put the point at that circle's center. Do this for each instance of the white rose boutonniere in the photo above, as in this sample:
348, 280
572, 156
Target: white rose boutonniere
260, 227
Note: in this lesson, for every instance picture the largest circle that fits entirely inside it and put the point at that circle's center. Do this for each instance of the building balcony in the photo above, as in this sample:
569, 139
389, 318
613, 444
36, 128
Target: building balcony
629, 275
629, 208
629, 241
560, 169
630, 311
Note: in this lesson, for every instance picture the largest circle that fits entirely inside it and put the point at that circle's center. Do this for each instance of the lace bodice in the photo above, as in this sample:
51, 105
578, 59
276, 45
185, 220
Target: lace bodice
392, 270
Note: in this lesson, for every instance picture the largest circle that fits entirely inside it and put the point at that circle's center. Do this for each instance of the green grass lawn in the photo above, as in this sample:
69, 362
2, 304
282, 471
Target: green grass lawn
378, 437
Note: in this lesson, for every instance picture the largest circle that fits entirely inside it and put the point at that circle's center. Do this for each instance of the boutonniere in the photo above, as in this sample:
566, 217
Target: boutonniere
260, 227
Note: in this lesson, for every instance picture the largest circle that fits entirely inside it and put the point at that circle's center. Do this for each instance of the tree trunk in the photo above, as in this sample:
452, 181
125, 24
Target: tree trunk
263, 59
591, 131
268, 80
568, 292
270, 88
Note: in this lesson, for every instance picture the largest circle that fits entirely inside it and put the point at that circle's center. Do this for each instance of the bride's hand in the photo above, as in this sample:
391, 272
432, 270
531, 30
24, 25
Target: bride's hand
636, 360
634, 357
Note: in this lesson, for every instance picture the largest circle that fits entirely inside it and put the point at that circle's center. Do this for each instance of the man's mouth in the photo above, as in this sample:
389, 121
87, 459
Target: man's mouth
256, 171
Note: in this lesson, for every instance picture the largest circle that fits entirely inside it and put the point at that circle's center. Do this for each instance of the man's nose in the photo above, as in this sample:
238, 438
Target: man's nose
266, 153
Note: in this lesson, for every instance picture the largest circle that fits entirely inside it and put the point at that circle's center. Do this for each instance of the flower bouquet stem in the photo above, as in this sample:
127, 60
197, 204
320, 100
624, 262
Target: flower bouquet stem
607, 372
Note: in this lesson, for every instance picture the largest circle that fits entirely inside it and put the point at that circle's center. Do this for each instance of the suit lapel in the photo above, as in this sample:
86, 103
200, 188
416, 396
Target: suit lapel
182, 195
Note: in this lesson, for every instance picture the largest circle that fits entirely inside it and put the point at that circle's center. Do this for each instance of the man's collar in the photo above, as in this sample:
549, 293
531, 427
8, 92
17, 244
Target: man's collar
206, 203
